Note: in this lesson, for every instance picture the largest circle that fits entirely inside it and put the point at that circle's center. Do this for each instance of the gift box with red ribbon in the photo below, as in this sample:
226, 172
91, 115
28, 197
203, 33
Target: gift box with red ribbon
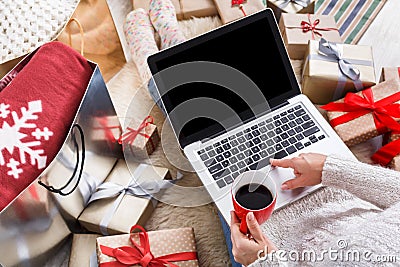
389, 154
107, 130
230, 10
366, 114
140, 138
173, 247
297, 29
185, 9
390, 73
280, 7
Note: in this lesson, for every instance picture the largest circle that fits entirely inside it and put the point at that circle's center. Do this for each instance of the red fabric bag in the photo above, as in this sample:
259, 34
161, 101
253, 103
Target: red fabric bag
38, 104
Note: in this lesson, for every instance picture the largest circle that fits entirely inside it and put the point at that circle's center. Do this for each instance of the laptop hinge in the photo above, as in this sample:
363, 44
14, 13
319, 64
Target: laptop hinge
284, 103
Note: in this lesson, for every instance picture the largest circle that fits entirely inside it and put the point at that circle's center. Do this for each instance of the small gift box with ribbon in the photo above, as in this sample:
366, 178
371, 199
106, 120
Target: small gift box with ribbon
140, 138
32, 204
83, 250
127, 195
230, 10
331, 70
172, 247
390, 73
291, 6
389, 153
106, 131
185, 9
366, 114
297, 29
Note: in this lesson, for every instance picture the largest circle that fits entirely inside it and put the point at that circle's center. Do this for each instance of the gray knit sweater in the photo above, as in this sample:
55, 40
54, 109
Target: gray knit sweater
354, 220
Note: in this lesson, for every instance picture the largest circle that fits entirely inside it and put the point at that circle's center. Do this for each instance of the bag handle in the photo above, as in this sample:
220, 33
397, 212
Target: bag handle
80, 31
60, 190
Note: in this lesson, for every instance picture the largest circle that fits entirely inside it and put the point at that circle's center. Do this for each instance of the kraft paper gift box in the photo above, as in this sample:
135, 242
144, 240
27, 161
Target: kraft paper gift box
124, 198
185, 9
33, 243
140, 138
326, 79
178, 243
389, 154
359, 125
33, 203
395, 162
106, 131
95, 171
390, 73
232, 10
289, 6
297, 29
83, 250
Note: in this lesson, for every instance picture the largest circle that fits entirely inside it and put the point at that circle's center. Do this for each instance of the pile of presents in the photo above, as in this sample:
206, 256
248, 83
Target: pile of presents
110, 208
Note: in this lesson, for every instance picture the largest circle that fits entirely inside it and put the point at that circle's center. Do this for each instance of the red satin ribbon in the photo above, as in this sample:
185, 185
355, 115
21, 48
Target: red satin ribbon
103, 121
20, 209
386, 153
356, 106
398, 70
307, 26
141, 254
131, 134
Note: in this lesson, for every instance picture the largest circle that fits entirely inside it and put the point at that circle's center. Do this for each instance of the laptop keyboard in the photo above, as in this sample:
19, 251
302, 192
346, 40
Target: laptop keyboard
251, 149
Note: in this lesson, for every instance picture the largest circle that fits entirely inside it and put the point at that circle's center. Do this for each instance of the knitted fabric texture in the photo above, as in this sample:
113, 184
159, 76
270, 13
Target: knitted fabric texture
28, 24
357, 210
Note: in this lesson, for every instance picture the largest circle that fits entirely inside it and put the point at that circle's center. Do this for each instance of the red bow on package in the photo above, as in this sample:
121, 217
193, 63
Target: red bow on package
307, 26
131, 134
239, 3
141, 254
386, 153
383, 111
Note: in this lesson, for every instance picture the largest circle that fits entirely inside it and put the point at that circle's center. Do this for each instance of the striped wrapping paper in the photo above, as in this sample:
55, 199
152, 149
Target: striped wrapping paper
352, 16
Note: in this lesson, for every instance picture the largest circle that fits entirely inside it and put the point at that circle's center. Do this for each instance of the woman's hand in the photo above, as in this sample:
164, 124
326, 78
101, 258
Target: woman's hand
245, 248
307, 169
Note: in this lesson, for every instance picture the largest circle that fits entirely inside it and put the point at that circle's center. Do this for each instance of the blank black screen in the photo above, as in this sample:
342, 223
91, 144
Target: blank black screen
251, 49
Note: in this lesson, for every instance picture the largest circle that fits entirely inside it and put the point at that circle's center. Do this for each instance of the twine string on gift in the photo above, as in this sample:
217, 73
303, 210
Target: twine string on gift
332, 52
133, 188
285, 3
140, 253
383, 111
131, 134
386, 153
307, 26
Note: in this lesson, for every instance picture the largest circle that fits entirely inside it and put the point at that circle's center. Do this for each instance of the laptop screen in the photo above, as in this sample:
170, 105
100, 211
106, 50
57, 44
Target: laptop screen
241, 70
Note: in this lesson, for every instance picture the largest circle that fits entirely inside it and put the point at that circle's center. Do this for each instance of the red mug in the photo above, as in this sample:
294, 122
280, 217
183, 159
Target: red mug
262, 214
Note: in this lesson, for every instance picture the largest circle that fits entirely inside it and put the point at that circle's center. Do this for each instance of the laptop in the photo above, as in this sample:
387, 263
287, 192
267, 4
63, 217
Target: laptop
233, 101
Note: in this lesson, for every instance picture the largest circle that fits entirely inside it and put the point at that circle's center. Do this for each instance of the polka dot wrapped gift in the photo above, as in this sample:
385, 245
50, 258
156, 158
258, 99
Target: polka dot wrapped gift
366, 114
172, 247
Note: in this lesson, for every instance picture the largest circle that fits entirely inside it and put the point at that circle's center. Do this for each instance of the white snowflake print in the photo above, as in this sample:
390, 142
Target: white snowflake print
11, 138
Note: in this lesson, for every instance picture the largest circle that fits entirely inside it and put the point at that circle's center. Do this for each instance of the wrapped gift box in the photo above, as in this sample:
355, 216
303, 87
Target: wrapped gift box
389, 73
33, 203
96, 168
117, 209
161, 243
140, 138
229, 12
32, 243
297, 29
106, 131
83, 250
289, 6
362, 128
323, 80
185, 9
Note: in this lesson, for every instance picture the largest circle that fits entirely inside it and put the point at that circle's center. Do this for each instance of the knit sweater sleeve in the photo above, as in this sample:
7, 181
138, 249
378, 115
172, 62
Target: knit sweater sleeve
377, 185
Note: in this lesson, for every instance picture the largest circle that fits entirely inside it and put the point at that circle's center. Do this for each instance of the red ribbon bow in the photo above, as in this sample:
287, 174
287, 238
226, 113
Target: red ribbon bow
131, 134
307, 26
141, 254
356, 106
386, 153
